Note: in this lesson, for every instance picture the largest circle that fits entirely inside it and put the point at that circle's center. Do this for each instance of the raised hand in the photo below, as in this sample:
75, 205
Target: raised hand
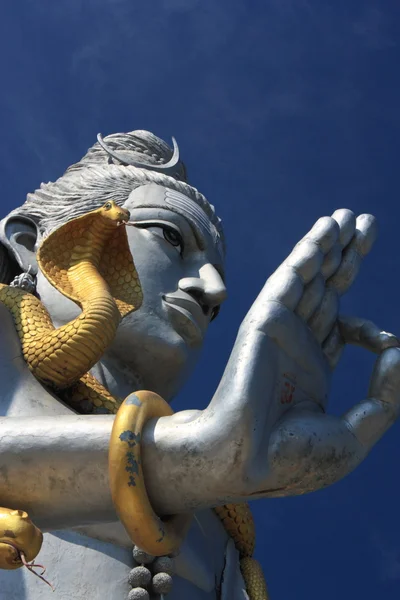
276, 384
291, 331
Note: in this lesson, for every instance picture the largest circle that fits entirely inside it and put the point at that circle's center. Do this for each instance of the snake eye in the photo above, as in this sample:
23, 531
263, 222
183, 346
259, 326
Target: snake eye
108, 206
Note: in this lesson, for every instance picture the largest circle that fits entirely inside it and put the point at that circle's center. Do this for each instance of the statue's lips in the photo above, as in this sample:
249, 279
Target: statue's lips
190, 310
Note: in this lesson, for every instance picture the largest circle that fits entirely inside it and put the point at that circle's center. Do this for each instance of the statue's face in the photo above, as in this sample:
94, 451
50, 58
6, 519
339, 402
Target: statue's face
180, 265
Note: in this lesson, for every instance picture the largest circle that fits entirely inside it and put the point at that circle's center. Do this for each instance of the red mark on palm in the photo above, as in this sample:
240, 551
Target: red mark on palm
288, 389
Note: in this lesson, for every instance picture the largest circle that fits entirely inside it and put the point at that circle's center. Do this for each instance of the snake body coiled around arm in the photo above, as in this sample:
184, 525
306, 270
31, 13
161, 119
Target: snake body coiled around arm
89, 261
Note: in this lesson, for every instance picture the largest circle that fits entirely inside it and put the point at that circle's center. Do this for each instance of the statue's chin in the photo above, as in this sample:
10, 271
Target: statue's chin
156, 354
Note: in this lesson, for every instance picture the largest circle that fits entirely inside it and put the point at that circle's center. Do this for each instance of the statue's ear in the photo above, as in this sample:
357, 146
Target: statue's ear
19, 235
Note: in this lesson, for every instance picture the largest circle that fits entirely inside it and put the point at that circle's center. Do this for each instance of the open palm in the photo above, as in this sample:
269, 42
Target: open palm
275, 388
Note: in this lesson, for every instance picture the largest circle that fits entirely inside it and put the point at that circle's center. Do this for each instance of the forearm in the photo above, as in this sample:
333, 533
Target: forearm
56, 468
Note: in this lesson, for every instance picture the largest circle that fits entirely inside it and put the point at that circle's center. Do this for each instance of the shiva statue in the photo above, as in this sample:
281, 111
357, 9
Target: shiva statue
109, 280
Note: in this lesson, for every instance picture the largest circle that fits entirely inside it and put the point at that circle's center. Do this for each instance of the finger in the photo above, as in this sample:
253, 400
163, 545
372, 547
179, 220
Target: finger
346, 220
308, 255
365, 235
325, 233
361, 332
333, 346
286, 285
311, 298
332, 261
306, 259
385, 380
369, 419
359, 247
325, 316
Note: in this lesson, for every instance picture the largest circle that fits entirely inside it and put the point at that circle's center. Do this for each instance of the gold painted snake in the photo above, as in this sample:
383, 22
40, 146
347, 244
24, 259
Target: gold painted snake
89, 261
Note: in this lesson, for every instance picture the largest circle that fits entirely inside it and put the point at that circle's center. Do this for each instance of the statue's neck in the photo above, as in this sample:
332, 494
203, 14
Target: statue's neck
116, 377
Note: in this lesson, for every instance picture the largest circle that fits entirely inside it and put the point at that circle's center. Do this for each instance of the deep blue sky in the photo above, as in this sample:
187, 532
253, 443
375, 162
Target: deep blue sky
284, 110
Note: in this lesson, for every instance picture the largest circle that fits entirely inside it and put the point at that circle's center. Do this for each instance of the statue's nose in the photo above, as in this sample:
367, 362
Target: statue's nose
208, 288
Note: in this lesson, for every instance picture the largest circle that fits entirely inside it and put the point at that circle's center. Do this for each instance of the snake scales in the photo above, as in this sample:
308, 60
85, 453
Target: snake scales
89, 261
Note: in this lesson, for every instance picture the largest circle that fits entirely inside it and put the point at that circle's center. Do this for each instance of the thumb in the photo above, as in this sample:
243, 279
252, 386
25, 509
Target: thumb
385, 380
361, 332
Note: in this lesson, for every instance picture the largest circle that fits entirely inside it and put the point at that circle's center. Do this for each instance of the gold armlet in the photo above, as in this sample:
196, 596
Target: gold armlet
145, 529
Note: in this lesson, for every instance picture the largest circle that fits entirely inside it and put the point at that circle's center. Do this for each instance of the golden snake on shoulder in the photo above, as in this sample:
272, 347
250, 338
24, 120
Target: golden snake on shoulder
89, 261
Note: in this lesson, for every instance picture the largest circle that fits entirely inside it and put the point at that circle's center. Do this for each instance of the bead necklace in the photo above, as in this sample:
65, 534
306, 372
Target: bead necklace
153, 573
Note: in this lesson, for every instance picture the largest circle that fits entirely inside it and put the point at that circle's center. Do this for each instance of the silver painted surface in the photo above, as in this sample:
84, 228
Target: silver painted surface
81, 567
233, 587
265, 432
61, 492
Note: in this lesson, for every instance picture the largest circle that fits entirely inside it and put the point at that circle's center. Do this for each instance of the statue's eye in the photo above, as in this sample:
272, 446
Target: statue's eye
173, 237
108, 206
163, 230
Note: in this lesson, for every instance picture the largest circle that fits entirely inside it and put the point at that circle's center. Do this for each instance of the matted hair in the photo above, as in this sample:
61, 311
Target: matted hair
95, 179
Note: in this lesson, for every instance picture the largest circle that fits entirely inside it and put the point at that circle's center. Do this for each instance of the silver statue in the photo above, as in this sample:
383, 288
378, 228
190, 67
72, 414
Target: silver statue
265, 433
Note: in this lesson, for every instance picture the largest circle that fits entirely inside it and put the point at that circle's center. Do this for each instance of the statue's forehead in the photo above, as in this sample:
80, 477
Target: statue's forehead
159, 196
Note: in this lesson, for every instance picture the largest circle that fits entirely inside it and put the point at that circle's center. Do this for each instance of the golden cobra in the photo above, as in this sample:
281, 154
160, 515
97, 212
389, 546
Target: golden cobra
89, 261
